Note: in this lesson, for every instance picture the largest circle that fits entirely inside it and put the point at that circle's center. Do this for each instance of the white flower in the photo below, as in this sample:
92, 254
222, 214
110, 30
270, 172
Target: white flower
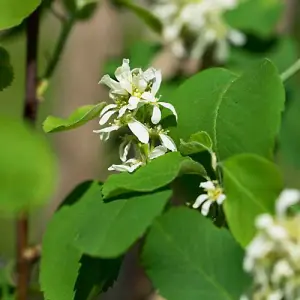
287, 198
128, 166
214, 194
203, 25
130, 83
132, 164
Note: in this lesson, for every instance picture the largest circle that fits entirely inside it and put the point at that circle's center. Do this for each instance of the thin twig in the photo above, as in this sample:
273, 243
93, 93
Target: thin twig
30, 115
291, 71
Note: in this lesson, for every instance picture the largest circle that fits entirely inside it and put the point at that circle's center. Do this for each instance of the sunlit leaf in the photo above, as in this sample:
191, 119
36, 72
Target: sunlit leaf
252, 185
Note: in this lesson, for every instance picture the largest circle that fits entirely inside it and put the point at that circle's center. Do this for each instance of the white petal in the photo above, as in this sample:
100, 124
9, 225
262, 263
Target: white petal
200, 199
107, 108
208, 185
236, 37
133, 102
139, 130
119, 168
157, 151
106, 117
149, 74
135, 166
156, 115
105, 132
167, 142
287, 198
107, 129
205, 207
122, 111
124, 149
123, 74
148, 96
139, 83
170, 107
221, 199
112, 84
156, 83
264, 221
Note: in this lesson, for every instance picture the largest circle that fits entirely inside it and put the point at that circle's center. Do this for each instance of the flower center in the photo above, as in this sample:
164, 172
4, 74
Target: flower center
215, 193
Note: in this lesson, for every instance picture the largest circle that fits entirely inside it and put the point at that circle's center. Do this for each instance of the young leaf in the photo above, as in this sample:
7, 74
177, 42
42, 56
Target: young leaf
252, 185
119, 223
156, 174
143, 13
12, 12
61, 262
81, 9
78, 118
6, 70
27, 167
267, 14
197, 142
232, 109
187, 257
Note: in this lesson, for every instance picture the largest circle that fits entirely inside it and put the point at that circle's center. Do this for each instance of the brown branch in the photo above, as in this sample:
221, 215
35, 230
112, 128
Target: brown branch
30, 115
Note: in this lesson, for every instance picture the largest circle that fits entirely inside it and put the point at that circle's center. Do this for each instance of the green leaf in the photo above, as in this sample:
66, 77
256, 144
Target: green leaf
289, 141
197, 142
60, 260
6, 70
12, 12
241, 114
143, 13
252, 185
27, 167
63, 268
78, 118
156, 174
267, 13
187, 257
96, 275
119, 223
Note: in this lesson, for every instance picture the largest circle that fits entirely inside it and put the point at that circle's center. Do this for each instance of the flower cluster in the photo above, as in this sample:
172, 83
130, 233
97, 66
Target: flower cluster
273, 257
191, 27
213, 194
136, 106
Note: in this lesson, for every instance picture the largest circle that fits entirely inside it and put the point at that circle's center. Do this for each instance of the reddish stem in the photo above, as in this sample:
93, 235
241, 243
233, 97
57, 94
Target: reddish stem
30, 115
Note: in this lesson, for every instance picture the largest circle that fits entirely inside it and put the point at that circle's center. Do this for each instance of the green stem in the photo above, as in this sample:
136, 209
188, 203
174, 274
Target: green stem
290, 71
65, 31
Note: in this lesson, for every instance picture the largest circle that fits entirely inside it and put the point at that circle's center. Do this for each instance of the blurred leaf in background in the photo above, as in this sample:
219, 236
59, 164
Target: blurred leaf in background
27, 167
